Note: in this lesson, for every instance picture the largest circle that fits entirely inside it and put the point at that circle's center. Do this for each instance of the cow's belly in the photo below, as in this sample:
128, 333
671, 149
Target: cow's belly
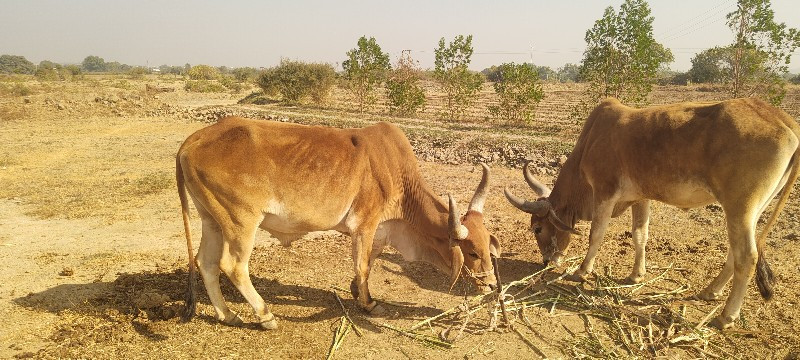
283, 221
684, 195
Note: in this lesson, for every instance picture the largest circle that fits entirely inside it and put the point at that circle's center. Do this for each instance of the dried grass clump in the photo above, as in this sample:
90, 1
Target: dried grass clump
641, 320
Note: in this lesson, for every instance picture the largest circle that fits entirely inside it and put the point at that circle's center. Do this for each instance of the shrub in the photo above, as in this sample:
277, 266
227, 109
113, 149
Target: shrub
245, 74
138, 72
364, 70
203, 72
451, 71
203, 86
17, 89
406, 96
295, 81
518, 91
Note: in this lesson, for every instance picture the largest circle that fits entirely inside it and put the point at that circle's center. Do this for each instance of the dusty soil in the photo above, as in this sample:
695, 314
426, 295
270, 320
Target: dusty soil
93, 260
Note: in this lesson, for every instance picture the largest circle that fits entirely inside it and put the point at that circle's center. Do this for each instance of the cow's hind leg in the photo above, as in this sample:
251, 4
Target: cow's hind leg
742, 240
235, 264
208, 261
714, 290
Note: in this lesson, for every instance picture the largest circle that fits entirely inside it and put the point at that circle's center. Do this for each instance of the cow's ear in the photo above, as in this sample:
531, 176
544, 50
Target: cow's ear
457, 264
494, 246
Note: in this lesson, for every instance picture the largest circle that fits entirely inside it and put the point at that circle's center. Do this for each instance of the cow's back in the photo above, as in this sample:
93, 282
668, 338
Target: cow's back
683, 147
311, 174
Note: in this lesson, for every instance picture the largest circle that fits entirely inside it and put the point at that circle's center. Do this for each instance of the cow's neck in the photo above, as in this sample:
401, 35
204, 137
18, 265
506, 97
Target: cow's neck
571, 196
425, 212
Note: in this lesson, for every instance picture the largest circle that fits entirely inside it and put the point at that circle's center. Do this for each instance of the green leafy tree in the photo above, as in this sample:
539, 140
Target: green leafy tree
244, 74
622, 58
545, 73
518, 91
365, 69
761, 52
203, 72
295, 81
48, 70
406, 96
451, 72
569, 73
116, 67
707, 65
93, 63
492, 73
15, 64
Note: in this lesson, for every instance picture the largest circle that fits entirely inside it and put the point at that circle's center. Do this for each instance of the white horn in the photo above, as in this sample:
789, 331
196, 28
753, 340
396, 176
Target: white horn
457, 230
540, 189
480, 193
539, 207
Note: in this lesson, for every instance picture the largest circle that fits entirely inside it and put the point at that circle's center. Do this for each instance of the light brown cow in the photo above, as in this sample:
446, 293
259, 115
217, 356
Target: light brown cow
293, 179
740, 153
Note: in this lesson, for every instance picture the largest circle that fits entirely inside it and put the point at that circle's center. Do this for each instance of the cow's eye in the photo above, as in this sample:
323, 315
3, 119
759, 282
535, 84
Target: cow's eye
474, 255
537, 230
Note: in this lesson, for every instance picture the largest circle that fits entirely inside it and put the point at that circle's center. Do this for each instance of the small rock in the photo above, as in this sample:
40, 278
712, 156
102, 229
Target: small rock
67, 271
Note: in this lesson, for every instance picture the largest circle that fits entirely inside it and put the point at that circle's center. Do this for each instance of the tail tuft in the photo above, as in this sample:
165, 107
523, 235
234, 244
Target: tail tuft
191, 299
764, 278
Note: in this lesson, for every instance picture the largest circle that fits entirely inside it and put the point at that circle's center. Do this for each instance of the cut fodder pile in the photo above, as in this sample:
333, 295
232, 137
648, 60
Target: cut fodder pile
653, 318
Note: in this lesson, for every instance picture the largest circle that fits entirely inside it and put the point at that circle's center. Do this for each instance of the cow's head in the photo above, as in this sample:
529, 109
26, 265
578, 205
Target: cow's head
471, 245
552, 235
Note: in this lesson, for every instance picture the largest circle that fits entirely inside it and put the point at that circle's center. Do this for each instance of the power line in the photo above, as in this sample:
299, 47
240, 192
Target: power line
691, 21
699, 24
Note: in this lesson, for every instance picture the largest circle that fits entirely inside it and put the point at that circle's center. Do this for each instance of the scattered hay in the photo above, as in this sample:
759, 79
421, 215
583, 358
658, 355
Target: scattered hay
639, 320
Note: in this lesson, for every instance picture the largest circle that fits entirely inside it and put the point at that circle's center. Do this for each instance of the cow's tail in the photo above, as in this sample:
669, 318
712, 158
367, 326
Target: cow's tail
191, 299
764, 275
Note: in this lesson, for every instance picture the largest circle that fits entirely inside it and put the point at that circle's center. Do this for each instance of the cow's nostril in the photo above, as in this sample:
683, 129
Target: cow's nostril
493, 287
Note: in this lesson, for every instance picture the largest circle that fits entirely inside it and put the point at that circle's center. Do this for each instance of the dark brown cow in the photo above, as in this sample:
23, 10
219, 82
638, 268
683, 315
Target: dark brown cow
740, 153
293, 179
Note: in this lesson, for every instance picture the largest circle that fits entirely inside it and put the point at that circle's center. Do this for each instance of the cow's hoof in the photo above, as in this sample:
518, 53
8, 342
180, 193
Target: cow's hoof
376, 310
268, 322
576, 277
708, 296
633, 279
233, 319
721, 323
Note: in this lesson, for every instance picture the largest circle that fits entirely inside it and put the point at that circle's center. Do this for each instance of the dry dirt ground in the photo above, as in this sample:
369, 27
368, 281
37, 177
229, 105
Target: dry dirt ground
93, 259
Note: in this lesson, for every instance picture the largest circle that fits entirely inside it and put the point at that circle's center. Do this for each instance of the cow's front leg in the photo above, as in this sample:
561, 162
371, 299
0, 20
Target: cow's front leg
362, 261
641, 220
600, 220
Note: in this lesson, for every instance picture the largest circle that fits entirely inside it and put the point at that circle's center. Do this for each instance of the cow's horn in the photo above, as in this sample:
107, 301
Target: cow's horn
538, 208
540, 189
457, 231
480, 193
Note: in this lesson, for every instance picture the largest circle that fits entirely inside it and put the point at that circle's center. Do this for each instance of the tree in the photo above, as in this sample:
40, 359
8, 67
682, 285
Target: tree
48, 70
203, 72
295, 81
15, 64
406, 96
622, 58
569, 73
761, 52
93, 64
451, 72
518, 91
364, 70
545, 72
706, 65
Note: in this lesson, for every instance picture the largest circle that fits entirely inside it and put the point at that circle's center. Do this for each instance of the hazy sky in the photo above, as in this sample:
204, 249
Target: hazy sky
239, 33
